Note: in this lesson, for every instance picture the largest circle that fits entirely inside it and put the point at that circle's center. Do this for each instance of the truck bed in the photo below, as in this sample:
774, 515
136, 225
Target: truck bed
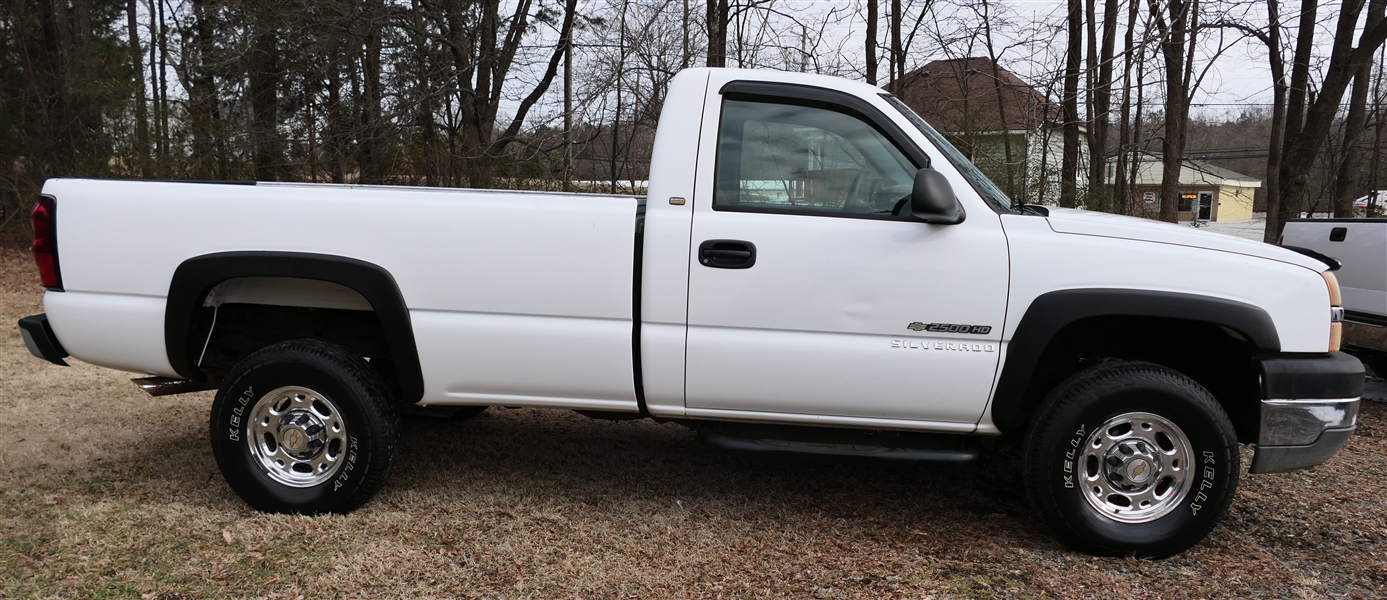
531, 292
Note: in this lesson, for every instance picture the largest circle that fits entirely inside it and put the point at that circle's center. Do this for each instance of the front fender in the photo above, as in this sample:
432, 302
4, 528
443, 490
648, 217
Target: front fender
1050, 313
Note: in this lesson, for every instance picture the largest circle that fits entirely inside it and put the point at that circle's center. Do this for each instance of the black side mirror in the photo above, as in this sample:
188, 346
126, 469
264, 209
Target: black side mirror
932, 199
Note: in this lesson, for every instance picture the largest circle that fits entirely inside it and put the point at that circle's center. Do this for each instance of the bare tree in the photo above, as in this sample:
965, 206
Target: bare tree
1347, 184
1070, 106
1179, 33
1098, 113
1122, 196
141, 154
1305, 137
871, 50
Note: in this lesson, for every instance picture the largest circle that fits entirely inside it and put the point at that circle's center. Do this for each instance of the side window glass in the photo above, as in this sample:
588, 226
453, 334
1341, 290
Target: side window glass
805, 160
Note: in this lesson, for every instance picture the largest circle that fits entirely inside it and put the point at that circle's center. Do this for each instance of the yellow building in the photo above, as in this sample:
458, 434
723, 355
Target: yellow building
1207, 192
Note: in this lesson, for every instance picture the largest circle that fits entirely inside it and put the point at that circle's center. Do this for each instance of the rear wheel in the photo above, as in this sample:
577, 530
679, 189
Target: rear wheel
304, 427
1131, 458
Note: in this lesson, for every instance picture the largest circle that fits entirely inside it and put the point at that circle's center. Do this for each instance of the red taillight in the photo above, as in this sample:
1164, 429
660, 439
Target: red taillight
45, 246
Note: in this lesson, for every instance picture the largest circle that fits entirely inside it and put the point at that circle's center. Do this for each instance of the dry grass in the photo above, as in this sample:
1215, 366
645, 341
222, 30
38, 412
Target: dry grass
105, 492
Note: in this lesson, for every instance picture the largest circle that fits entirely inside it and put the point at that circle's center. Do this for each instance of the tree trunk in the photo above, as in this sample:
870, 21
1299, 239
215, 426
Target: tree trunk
1137, 123
203, 109
1178, 65
370, 142
264, 96
1300, 69
1098, 189
1374, 200
141, 154
1069, 160
567, 42
1122, 194
872, 41
1090, 200
159, 139
1347, 186
1009, 167
1278, 122
616, 119
424, 120
164, 113
336, 115
1287, 206
717, 33
897, 51
480, 125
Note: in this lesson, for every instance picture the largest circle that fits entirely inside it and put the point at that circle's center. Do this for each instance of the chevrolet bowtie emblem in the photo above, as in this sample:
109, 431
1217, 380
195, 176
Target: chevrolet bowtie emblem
916, 326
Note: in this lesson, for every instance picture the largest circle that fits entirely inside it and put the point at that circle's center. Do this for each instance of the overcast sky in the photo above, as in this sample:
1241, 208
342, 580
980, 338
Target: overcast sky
1238, 77
1032, 39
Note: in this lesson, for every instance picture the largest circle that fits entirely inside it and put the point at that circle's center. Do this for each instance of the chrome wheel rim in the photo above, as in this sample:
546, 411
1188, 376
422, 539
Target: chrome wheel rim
1136, 467
297, 436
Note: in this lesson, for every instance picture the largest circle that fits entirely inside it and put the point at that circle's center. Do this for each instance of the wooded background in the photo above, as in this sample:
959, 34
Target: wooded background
565, 94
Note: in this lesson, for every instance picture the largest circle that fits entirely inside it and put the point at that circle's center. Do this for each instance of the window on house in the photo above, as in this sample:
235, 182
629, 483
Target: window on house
1187, 201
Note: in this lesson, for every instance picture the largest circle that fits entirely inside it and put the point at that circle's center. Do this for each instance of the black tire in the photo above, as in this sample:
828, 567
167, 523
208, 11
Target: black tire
1377, 363
1080, 498
346, 426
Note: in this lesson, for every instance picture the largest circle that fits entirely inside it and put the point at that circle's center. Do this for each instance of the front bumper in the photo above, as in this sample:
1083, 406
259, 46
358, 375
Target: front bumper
1309, 410
39, 338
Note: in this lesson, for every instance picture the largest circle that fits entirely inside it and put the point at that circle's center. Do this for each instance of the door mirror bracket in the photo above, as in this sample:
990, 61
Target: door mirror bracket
932, 199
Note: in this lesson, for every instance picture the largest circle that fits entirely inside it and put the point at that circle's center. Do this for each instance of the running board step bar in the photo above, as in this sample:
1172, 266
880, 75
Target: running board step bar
864, 448
164, 386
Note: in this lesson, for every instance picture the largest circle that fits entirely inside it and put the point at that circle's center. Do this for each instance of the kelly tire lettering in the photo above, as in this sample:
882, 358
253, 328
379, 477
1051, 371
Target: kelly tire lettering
304, 427
1131, 458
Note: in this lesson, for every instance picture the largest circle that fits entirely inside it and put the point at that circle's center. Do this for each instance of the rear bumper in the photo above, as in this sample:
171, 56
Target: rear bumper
1309, 409
39, 338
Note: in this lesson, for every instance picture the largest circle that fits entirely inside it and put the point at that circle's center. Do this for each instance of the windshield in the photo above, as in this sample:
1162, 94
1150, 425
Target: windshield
989, 191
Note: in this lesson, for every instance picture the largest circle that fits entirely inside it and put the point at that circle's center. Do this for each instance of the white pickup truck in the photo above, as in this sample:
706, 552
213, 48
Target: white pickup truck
815, 269
1360, 247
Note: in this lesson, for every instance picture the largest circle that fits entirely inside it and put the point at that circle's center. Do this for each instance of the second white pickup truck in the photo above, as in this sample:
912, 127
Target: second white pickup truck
1360, 246
811, 255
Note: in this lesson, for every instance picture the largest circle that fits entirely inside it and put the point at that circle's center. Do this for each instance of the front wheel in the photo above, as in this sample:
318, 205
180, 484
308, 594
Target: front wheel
304, 427
1131, 458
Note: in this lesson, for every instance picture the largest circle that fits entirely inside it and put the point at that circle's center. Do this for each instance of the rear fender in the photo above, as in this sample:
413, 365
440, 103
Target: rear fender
196, 277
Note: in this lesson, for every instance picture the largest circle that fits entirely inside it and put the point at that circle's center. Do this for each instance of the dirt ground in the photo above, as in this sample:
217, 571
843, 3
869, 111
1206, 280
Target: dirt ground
106, 492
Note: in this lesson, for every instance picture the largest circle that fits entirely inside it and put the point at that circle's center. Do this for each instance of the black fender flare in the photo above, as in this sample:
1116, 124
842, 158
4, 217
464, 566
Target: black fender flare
195, 277
1050, 313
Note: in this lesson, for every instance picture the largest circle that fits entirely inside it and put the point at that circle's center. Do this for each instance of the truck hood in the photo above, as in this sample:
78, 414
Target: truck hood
1083, 222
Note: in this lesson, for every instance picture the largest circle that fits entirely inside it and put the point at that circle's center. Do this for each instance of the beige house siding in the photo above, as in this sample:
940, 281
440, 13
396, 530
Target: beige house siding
1234, 204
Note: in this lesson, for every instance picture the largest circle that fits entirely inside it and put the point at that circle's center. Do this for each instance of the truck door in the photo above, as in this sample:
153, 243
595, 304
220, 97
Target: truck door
809, 301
